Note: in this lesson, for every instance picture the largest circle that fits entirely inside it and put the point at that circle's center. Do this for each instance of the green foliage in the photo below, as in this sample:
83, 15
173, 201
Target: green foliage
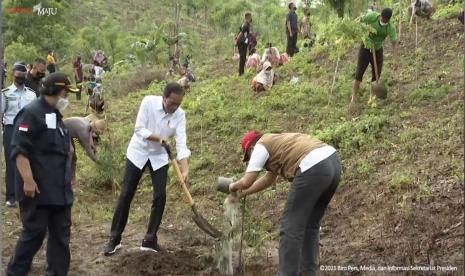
400, 179
229, 13
45, 32
428, 94
338, 5
339, 35
350, 136
20, 51
447, 11
109, 170
365, 168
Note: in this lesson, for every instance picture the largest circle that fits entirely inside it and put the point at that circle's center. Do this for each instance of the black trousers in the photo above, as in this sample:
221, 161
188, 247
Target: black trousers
51, 68
242, 57
10, 165
307, 200
131, 179
37, 221
291, 48
365, 57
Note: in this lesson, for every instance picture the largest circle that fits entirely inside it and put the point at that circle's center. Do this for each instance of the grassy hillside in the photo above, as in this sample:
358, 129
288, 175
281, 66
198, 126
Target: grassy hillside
400, 201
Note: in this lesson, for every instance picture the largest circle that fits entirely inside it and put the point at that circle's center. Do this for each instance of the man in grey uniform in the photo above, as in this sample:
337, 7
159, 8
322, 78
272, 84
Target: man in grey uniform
13, 99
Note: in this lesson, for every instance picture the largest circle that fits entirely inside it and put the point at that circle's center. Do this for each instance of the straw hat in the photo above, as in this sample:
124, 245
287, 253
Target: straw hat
92, 117
98, 126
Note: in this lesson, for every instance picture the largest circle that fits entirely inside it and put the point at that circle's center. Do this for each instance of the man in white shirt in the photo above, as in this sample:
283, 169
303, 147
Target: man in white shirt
158, 119
314, 168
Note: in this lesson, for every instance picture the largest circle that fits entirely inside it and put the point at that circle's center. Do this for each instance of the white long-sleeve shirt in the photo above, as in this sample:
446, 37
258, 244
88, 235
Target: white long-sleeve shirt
13, 100
152, 119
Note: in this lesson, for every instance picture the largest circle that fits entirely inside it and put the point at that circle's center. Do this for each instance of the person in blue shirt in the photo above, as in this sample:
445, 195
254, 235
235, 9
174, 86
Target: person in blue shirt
291, 30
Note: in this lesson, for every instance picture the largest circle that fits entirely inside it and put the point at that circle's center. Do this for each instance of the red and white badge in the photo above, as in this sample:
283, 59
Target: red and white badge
23, 127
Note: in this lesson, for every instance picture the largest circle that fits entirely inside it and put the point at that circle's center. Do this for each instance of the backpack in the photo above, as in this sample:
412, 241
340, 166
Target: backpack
239, 38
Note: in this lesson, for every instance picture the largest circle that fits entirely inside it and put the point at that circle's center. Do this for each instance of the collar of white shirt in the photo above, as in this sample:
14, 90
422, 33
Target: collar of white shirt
16, 88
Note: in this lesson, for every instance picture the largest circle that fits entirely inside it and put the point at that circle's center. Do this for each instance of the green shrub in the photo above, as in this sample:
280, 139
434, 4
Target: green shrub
350, 136
448, 11
365, 168
19, 51
400, 179
428, 94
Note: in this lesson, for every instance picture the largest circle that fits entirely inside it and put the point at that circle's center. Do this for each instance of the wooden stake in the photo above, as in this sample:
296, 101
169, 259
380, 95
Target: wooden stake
334, 81
241, 265
416, 49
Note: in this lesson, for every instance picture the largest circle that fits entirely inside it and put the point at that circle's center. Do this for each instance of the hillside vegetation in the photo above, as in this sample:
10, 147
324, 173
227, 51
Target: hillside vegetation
400, 201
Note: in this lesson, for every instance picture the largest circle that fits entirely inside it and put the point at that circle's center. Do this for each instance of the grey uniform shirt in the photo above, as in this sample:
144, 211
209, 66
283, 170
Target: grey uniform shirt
13, 100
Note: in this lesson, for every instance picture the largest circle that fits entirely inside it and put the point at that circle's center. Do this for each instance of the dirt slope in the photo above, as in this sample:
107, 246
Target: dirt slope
369, 222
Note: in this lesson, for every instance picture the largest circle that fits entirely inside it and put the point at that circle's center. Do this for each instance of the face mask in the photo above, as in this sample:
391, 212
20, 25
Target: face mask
20, 80
383, 24
62, 104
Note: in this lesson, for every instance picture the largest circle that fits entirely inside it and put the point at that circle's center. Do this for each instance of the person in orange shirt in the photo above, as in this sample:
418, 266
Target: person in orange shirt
51, 62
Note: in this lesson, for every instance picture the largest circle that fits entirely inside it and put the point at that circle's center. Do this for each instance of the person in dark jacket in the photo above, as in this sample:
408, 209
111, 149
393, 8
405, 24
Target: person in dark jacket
242, 41
291, 30
42, 151
35, 75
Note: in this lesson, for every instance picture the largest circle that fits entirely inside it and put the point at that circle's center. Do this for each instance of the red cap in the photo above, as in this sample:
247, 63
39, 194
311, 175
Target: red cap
248, 139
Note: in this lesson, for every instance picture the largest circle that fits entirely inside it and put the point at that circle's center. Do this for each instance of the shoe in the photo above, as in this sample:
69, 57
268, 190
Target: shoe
151, 246
10, 204
111, 247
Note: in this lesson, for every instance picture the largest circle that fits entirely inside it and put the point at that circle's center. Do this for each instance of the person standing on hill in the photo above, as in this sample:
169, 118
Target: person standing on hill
99, 58
314, 168
305, 24
420, 8
51, 62
383, 28
242, 41
13, 99
158, 119
35, 76
291, 30
78, 75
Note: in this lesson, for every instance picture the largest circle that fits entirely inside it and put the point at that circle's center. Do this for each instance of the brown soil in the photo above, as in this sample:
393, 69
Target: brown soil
366, 223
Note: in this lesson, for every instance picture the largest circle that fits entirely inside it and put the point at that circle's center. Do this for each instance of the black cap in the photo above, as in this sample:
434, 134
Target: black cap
386, 13
57, 81
19, 66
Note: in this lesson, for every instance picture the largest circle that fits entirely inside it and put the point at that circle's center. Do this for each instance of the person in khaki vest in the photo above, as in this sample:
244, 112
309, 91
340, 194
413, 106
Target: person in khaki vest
314, 168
